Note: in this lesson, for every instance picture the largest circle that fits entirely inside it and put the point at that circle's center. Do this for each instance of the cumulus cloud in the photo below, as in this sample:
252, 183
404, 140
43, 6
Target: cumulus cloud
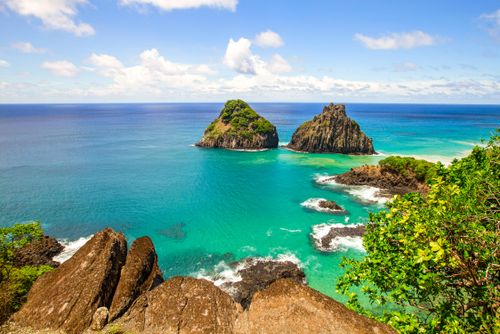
241, 59
492, 21
61, 68
402, 40
27, 47
154, 73
269, 39
54, 14
4, 63
168, 5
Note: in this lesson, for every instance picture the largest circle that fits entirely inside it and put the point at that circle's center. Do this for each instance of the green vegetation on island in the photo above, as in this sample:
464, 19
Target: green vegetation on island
424, 170
433, 260
239, 127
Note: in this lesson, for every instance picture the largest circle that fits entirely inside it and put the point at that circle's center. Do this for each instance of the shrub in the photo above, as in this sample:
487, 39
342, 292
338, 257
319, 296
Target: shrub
434, 261
424, 170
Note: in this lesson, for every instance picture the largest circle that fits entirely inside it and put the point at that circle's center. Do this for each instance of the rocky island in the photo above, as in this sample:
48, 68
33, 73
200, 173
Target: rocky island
332, 131
104, 288
239, 127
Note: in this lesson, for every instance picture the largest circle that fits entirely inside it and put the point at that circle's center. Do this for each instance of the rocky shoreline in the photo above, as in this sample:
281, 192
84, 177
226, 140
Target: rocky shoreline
333, 237
105, 288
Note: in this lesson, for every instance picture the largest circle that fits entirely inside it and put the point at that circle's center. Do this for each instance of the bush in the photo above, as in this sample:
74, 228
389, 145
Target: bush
434, 261
424, 170
16, 281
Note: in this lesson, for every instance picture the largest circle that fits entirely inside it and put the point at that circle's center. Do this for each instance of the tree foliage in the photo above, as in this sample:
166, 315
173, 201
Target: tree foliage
424, 170
433, 261
15, 281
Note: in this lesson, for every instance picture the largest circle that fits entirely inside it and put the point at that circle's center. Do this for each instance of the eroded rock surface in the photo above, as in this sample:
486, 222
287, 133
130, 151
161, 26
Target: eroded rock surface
182, 305
332, 131
139, 274
39, 252
67, 298
288, 307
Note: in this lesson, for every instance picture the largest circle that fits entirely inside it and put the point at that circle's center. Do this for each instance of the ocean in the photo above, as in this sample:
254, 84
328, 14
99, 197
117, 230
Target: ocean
133, 167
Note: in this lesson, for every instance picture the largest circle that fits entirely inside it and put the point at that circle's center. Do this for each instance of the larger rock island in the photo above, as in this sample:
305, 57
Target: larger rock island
239, 127
332, 131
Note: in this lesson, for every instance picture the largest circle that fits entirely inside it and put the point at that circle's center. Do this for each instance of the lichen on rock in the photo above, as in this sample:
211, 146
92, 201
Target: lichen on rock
239, 127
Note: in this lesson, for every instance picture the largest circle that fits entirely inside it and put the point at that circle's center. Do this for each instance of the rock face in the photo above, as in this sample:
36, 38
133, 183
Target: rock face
288, 307
182, 305
239, 127
331, 205
68, 297
389, 181
331, 132
139, 274
39, 252
257, 274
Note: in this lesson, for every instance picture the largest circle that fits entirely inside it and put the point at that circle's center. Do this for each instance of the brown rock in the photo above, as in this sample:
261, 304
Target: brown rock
182, 305
38, 252
100, 318
288, 307
331, 205
139, 274
323, 242
258, 274
331, 132
68, 297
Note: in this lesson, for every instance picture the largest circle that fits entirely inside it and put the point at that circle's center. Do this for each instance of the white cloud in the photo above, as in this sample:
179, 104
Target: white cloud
278, 64
269, 39
403, 40
493, 23
62, 68
241, 59
54, 14
4, 63
168, 5
27, 47
154, 74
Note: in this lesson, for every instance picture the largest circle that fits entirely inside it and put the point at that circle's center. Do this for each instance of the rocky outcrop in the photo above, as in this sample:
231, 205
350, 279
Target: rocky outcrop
239, 127
182, 305
38, 252
288, 307
390, 181
326, 236
332, 131
68, 297
330, 205
257, 274
139, 274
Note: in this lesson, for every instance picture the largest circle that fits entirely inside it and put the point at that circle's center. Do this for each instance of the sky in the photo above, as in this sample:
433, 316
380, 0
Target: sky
74, 51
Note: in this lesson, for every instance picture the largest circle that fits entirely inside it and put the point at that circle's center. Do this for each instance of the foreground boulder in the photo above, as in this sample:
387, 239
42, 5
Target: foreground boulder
139, 274
332, 131
39, 252
181, 305
328, 237
258, 274
288, 307
67, 298
239, 127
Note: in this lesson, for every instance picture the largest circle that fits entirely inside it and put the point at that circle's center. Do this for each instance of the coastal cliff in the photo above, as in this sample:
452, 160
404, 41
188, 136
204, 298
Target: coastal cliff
104, 289
332, 131
239, 127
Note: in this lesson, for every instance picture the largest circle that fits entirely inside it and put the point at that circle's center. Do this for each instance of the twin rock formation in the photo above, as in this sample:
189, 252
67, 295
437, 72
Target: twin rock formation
102, 289
239, 127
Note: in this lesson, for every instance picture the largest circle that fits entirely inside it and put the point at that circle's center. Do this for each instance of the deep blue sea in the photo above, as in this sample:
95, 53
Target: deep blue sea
79, 168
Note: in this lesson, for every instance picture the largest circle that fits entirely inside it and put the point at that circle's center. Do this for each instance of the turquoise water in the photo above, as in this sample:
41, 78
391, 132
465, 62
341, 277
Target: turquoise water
132, 167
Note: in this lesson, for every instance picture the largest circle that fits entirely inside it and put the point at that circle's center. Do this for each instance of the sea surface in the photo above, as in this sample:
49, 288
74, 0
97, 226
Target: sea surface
133, 167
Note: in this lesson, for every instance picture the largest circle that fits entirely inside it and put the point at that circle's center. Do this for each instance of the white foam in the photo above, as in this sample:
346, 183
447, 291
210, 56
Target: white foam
249, 150
338, 243
366, 194
313, 204
70, 248
290, 230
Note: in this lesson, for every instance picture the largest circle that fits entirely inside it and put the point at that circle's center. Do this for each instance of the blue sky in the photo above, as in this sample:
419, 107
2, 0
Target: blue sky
259, 50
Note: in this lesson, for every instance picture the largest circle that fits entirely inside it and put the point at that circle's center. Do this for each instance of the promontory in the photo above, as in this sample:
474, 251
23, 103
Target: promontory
239, 127
332, 131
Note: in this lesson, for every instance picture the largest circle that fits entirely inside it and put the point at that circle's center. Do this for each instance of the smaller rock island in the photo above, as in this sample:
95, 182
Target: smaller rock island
239, 127
332, 131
